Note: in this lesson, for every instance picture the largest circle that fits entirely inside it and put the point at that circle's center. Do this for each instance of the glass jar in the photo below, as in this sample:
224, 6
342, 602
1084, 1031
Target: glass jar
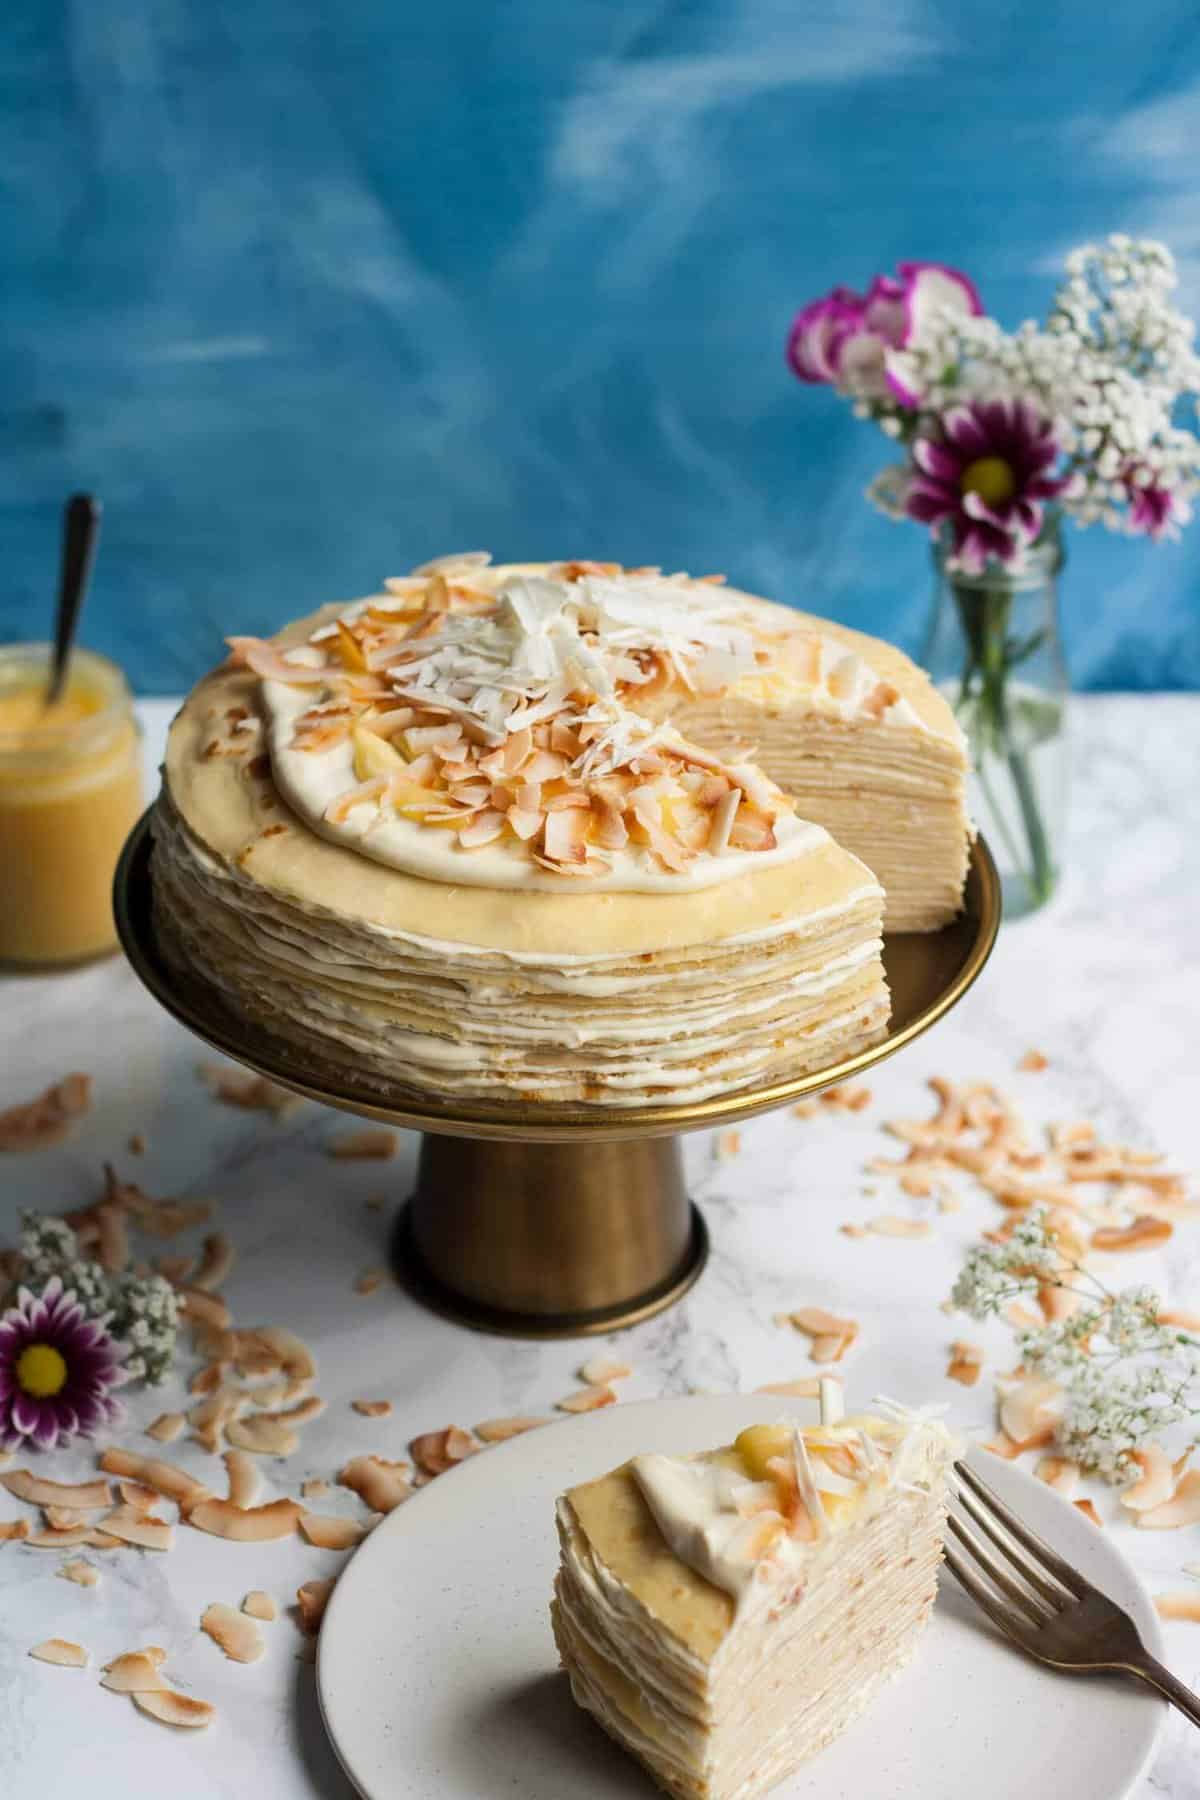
994, 651
70, 791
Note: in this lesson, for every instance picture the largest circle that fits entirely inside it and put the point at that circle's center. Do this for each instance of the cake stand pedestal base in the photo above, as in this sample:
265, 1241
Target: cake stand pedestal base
549, 1240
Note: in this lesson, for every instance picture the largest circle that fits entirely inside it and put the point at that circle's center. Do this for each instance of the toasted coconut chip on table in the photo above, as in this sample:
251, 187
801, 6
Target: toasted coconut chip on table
497, 1431
1157, 1478
137, 1671
381, 1485
1058, 1472
806, 1387
363, 1146
1181, 1316
1088, 1509
80, 1572
588, 1399
265, 1434
167, 1427
133, 1527
315, 1489
173, 1708
1181, 1605
892, 1225
245, 1480
371, 1280
1144, 1233
82, 1496
46, 1119
205, 1381
1030, 1412
74, 1539
254, 1093
291, 1354
372, 1409
214, 1415
966, 1362
215, 1264
1002, 1445
233, 1632
62, 1652
312, 1598
1033, 1062
599, 1370
259, 1605
246, 1524
727, 1144
67, 1518
330, 1533
207, 1309
436, 1451
1183, 1508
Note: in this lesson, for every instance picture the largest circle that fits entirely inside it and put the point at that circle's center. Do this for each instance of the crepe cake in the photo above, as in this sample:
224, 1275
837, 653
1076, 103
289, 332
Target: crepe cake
451, 838
725, 1616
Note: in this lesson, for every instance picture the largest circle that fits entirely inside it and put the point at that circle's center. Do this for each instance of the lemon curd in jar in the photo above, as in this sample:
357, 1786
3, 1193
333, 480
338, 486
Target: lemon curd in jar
70, 791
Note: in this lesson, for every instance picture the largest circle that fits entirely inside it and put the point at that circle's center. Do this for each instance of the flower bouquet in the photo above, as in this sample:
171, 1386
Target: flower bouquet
1005, 435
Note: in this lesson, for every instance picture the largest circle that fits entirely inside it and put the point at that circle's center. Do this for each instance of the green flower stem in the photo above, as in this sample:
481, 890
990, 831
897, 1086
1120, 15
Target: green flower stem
984, 611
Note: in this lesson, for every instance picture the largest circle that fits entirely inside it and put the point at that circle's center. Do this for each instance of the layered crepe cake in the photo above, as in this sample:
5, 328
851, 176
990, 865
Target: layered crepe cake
724, 1616
498, 833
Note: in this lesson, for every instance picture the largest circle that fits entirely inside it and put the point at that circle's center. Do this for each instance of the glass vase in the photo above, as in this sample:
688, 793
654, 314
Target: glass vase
994, 651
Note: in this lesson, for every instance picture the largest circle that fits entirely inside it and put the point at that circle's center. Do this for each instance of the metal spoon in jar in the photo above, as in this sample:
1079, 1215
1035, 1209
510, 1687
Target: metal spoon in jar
81, 528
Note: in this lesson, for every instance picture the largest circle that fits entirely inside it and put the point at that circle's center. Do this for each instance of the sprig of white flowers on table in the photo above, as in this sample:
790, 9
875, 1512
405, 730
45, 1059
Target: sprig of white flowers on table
1125, 1376
140, 1311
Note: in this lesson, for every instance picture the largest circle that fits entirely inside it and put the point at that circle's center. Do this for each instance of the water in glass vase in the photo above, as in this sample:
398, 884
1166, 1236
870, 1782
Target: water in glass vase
994, 653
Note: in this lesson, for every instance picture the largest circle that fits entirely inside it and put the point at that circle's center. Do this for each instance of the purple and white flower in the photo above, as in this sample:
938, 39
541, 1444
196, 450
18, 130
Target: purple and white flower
986, 477
58, 1371
852, 341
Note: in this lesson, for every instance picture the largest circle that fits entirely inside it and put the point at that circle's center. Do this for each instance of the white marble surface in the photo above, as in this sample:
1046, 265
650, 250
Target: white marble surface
1106, 983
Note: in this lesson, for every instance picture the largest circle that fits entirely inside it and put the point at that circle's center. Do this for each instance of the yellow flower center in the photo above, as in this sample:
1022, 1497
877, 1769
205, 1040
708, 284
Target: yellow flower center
41, 1371
991, 478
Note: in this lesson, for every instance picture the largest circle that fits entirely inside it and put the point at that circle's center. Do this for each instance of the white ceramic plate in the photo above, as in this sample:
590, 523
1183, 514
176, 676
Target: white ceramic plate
438, 1676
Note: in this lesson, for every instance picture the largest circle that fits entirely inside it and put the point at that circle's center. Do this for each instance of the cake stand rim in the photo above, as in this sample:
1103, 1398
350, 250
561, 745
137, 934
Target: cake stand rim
203, 1013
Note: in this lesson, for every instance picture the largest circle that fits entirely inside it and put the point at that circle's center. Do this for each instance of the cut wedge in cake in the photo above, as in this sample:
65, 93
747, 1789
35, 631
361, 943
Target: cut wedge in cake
724, 1616
447, 840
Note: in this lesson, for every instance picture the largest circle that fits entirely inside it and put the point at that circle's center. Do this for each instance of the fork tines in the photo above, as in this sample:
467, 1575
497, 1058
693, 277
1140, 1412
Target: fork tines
1044, 1583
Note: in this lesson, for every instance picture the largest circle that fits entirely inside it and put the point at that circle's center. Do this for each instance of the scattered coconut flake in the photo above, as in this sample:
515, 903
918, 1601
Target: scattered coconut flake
588, 1399
806, 1387
312, 1598
206, 1309
966, 1362
1181, 1605
81, 1496
142, 1499
46, 1120
372, 1409
1183, 1508
249, 1524
1180, 1316
330, 1533
891, 1225
846, 1099
315, 1488
137, 1671
727, 1144
265, 1434
291, 1354
854, 1231
371, 1280
60, 1651
232, 1631
436, 1451
805, 1109
380, 1484
1145, 1233
1088, 1509
167, 1427
72, 1539
136, 1144
1002, 1445
254, 1093
215, 1264
1058, 1472
245, 1480
496, 1431
598, 1371
66, 1518
1033, 1062
258, 1605
1030, 1412
1158, 1477
173, 1708
80, 1572
373, 1143
133, 1527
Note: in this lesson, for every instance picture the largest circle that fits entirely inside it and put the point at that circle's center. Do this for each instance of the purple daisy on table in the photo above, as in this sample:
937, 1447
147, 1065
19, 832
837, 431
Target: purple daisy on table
58, 1370
987, 477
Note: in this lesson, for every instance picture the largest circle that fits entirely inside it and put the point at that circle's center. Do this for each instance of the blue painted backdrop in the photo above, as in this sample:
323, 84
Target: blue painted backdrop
310, 291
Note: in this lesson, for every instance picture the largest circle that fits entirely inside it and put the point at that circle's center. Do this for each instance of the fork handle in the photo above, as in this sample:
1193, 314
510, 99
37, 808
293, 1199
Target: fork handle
1148, 1669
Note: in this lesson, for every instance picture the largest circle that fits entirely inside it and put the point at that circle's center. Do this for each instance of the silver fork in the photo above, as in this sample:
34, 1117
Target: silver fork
1042, 1603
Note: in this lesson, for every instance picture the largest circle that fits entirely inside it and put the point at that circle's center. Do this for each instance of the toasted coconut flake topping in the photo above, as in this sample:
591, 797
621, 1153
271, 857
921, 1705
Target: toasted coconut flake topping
167, 1427
588, 1399
372, 1409
1030, 1411
436, 1451
382, 1485
966, 1362
598, 1371
330, 1533
245, 1481
312, 1598
81, 1496
1158, 1477
373, 1143
1183, 1508
80, 1572
232, 1631
497, 1431
136, 1672
259, 1605
46, 1120
133, 1527
1058, 1472
58, 1650
246, 1525
12, 1530
265, 1434
172, 1708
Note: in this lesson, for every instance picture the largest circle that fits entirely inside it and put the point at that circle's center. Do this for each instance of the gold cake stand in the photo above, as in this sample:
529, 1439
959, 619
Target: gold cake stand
554, 1221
